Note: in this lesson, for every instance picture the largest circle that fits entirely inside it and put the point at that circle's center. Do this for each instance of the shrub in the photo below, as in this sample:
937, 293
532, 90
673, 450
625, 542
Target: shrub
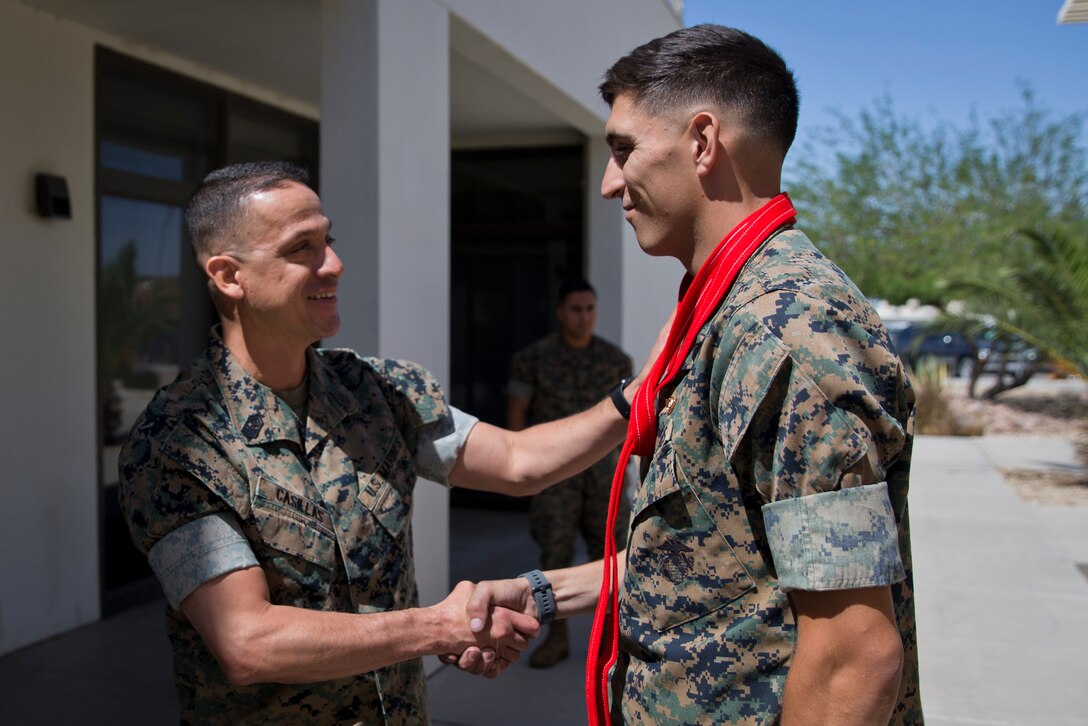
932, 414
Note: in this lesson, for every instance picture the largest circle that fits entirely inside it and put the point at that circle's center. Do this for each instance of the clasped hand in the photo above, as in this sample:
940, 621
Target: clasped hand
499, 616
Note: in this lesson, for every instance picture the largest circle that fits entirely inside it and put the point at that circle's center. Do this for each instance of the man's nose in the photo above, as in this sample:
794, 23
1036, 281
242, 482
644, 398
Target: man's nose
612, 181
332, 266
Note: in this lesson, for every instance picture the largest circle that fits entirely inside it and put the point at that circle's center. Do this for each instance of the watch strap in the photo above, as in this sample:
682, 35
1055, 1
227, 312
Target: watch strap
542, 594
620, 401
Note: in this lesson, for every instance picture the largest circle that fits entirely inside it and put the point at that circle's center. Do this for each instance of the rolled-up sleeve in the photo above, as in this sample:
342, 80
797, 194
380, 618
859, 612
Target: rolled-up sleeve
815, 462
835, 540
440, 444
197, 552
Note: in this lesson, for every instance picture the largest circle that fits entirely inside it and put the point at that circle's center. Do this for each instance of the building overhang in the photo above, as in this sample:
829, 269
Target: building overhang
274, 48
1073, 11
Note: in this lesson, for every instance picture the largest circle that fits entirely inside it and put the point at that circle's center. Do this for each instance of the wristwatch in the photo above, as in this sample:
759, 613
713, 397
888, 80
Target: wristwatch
619, 399
542, 594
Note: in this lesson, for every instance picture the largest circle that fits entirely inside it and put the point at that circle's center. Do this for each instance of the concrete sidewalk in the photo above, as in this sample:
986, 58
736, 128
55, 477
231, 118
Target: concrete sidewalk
1002, 607
1002, 615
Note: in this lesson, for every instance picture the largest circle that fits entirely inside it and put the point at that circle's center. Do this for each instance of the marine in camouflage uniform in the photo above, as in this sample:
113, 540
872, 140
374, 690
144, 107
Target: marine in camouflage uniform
782, 463
768, 570
271, 485
216, 454
557, 376
559, 380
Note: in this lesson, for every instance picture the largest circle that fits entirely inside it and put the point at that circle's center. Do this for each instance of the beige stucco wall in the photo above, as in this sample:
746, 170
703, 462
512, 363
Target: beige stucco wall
48, 507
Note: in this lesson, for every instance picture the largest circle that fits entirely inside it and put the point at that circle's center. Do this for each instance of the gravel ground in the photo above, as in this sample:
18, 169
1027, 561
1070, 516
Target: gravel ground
1043, 408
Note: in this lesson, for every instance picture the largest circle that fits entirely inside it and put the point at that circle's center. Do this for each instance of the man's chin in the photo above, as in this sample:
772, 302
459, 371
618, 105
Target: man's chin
330, 329
653, 248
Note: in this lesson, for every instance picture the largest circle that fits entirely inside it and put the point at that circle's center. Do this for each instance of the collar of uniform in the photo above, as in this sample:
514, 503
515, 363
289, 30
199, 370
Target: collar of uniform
563, 344
256, 411
330, 401
753, 280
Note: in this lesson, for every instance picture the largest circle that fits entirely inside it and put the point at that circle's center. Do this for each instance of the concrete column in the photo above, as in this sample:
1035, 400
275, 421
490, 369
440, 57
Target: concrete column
385, 174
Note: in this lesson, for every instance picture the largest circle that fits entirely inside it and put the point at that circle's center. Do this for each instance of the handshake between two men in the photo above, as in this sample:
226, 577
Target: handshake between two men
505, 614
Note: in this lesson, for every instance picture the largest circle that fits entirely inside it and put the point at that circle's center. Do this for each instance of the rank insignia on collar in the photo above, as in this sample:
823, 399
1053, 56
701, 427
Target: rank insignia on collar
253, 426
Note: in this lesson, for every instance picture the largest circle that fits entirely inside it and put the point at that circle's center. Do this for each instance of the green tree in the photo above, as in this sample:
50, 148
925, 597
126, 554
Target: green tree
901, 206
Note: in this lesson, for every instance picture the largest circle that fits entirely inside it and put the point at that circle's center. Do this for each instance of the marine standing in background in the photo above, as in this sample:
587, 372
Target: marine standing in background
559, 375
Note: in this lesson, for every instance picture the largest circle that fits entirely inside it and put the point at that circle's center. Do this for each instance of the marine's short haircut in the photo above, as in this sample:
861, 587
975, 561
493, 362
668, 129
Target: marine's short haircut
574, 284
713, 64
213, 211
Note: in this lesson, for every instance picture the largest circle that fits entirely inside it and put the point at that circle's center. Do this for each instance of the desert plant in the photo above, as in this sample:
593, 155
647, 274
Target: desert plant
932, 413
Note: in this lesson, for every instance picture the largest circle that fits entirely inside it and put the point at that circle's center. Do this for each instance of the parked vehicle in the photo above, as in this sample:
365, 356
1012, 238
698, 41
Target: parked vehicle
914, 341
1011, 355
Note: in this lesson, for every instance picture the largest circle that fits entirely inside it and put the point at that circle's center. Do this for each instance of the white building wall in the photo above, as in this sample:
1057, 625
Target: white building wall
49, 509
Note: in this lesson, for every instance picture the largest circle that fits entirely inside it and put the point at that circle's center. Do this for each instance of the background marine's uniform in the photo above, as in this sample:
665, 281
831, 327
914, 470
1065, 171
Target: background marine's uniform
782, 462
219, 474
559, 380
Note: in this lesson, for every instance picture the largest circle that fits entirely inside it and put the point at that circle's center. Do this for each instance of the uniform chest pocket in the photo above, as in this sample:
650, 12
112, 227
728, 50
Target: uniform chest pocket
292, 523
679, 565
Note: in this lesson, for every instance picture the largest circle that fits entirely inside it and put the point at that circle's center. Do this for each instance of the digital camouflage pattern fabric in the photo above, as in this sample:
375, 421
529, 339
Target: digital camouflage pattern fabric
560, 381
328, 521
782, 461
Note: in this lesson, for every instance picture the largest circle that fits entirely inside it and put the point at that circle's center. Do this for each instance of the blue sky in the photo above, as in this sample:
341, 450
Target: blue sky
936, 59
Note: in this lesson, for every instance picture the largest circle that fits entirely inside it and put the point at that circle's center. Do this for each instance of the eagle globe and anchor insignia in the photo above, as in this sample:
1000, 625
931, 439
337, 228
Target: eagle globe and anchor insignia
676, 563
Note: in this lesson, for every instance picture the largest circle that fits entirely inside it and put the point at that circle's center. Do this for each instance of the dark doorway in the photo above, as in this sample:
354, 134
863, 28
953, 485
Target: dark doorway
517, 231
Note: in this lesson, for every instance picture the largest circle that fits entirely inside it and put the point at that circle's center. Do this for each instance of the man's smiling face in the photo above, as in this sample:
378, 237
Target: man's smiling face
288, 269
652, 172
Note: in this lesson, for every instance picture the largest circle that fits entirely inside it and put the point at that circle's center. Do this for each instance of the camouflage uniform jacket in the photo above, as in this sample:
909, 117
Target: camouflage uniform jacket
330, 522
781, 463
559, 380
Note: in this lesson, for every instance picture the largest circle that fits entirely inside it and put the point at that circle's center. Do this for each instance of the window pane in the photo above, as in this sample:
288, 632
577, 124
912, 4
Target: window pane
122, 157
138, 303
150, 127
256, 135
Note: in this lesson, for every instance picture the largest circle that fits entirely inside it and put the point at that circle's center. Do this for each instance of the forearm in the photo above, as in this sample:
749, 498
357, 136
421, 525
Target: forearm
525, 462
293, 645
557, 450
256, 641
848, 661
823, 693
577, 589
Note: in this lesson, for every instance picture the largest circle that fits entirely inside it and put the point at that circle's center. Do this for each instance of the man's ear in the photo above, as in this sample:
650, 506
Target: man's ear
706, 144
222, 271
